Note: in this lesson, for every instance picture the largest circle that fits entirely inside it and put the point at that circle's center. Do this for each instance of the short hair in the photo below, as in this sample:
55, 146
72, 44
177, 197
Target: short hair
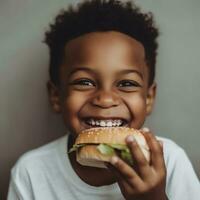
100, 16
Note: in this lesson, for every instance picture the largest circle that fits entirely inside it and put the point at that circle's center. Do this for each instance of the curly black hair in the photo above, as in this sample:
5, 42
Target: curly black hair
101, 15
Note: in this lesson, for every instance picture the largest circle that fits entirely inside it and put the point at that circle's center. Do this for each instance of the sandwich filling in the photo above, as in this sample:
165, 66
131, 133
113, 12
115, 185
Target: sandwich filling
109, 149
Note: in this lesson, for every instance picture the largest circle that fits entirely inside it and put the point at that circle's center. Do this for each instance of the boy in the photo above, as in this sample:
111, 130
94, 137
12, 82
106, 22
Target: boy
102, 68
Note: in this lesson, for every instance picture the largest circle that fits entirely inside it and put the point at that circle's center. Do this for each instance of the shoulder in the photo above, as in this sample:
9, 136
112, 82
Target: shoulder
168, 142
173, 153
37, 158
43, 151
179, 170
169, 146
177, 161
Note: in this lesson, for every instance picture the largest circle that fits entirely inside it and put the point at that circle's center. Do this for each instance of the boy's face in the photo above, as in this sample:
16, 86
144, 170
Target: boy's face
104, 80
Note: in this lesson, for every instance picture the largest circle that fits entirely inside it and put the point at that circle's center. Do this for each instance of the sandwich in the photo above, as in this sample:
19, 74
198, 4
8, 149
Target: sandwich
95, 146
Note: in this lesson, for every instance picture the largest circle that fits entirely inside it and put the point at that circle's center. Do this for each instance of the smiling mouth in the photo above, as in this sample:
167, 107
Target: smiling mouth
95, 122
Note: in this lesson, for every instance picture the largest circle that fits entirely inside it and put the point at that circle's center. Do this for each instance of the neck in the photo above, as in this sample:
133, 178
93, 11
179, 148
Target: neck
89, 174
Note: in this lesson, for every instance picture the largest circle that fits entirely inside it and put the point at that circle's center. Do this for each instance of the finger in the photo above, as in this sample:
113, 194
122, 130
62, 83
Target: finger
141, 162
157, 157
123, 184
145, 129
126, 172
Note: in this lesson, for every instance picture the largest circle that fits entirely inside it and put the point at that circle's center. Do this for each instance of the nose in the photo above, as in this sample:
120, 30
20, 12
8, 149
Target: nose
106, 99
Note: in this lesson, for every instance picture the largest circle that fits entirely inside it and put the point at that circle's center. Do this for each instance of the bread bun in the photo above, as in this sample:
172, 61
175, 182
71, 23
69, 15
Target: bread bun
89, 155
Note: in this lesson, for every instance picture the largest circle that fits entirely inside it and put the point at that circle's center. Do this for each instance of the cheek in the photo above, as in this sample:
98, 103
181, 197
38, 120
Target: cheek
71, 106
136, 101
137, 107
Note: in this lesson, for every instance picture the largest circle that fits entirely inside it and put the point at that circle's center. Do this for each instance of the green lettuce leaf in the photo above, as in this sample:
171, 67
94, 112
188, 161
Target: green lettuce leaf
109, 149
105, 149
127, 157
118, 146
75, 147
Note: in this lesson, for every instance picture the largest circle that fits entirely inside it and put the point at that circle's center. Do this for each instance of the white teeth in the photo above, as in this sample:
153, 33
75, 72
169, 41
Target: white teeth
105, 123
109, 124
93, 122
102, 123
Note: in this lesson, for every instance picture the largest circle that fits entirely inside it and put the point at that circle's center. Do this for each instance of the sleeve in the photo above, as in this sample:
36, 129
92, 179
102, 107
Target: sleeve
20, 185
182, 182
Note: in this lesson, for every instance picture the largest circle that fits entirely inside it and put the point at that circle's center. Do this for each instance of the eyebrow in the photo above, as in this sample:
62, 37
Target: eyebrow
124, 71
128, 71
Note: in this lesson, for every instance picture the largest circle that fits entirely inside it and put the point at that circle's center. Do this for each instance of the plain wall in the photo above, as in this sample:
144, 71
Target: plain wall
26, 120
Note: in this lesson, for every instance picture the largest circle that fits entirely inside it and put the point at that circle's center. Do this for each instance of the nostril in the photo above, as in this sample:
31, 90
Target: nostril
105, 100
104, 104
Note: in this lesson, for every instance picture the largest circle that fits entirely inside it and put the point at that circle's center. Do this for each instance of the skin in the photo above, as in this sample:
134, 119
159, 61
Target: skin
104, 74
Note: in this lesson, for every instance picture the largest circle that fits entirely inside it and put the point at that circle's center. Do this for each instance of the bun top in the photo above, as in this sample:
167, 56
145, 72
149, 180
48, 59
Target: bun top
110, 135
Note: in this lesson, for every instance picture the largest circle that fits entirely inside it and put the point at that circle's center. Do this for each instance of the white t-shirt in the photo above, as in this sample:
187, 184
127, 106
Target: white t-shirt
46, 174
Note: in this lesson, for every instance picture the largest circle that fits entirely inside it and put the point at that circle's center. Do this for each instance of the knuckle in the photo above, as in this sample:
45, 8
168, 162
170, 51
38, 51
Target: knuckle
159, 151
151, 185
163, 174
132, 180
143, 189
133, 144
120, 165
142, 162
151, 135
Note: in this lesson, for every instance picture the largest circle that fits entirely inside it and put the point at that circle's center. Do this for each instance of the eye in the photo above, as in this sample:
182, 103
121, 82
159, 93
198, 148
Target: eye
83, 83
128, 85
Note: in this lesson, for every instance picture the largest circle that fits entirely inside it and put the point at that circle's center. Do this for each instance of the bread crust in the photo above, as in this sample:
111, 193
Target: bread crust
90, 156
110, 135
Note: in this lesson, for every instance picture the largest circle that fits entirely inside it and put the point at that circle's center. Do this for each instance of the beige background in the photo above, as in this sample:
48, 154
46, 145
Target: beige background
26, 121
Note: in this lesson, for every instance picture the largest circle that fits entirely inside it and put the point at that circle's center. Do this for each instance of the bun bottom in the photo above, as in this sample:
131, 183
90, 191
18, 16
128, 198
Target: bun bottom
90, 156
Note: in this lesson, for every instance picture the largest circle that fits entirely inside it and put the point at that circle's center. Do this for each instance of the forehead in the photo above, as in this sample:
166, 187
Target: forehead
109, 50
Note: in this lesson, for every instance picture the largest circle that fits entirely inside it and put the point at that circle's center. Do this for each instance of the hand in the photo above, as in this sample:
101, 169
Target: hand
146, 181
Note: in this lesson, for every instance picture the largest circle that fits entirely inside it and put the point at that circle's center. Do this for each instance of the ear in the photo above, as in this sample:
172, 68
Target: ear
54, 97
151, 94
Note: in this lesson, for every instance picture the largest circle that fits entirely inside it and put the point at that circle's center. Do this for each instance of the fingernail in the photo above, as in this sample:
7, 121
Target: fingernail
114, 160
145, 129
130, 138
